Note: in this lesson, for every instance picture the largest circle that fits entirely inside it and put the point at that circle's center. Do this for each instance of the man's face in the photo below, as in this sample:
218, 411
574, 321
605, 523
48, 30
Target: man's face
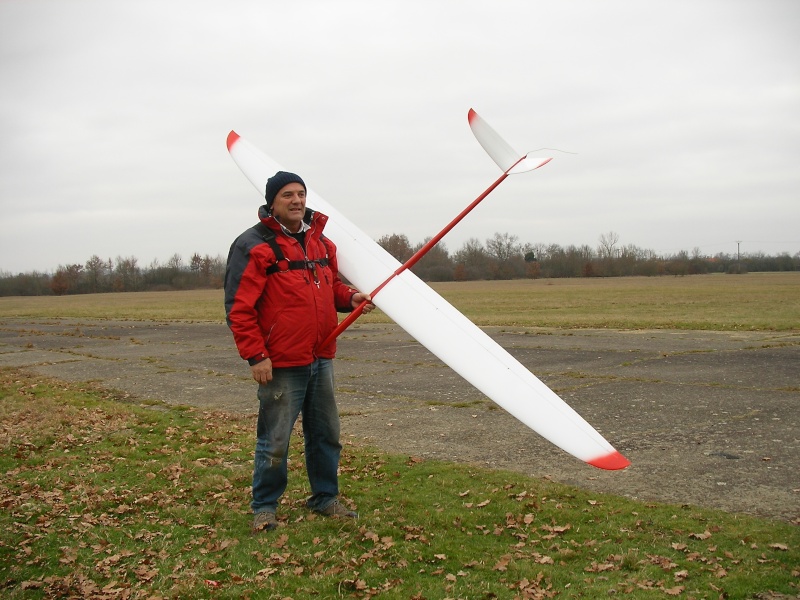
289, 206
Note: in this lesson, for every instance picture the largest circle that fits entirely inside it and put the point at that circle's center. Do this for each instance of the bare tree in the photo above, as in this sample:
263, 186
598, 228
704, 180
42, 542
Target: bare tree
67, 279
608, 241
175, 262
472, 261
127, 275
607, 252
507, 255
97, 274
435, 264
503, 246
195, 263
396, 245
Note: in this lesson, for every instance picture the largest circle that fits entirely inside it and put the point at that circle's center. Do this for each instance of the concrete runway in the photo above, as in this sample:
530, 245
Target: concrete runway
706, 418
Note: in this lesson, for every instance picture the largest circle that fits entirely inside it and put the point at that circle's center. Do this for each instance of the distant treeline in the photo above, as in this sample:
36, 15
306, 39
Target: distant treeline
501, 257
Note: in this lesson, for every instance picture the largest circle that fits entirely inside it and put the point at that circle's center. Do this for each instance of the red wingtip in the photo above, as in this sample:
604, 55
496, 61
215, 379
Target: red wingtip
232, 137
471, 115
610, 462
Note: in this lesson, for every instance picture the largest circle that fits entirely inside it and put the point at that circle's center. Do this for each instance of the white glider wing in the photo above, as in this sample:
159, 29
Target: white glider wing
437, 325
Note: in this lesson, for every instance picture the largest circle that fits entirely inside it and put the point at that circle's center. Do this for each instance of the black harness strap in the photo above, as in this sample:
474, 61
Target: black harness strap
281, 264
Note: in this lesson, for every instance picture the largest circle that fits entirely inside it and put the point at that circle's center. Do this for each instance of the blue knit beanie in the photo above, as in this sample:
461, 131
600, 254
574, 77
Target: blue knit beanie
276, 182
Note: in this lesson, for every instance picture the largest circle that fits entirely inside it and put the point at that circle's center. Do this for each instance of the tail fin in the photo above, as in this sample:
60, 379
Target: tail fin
509, 160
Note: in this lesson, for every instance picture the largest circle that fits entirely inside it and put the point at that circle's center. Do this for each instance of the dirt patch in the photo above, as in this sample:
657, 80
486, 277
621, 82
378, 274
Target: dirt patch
706, 418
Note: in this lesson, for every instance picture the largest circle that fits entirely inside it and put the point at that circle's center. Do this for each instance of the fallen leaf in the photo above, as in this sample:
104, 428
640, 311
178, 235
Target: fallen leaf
31, 585
502, 564
782, 547
676, 591
701, 536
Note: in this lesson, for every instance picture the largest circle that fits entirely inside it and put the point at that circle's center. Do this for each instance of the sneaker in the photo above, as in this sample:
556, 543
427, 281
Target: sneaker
335, 509
264, 521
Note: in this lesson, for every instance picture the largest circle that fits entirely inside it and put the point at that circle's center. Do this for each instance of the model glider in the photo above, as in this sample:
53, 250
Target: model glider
504, 156
442, 329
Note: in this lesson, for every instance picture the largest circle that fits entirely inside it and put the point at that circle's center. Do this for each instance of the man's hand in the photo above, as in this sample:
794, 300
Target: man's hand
262, 371
358, 298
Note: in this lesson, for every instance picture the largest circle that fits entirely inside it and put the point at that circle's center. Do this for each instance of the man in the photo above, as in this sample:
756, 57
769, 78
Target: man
282, 291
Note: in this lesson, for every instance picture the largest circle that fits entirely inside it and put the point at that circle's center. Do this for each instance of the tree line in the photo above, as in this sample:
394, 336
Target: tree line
124, 274
502, 256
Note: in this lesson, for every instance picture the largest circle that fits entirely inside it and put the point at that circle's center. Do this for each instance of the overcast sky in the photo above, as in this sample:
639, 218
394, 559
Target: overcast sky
685, 117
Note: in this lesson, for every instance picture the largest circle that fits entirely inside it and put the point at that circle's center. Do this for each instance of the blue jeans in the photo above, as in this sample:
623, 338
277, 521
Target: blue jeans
293, 391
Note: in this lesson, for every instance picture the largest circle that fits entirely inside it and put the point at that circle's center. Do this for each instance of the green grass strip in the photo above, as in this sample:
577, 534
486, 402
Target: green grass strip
103, 498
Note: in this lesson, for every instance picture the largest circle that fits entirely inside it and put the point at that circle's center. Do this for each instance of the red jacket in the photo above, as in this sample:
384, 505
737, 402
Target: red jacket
286, 314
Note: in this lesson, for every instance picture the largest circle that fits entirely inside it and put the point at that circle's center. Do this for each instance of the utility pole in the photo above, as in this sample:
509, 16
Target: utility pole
738, 258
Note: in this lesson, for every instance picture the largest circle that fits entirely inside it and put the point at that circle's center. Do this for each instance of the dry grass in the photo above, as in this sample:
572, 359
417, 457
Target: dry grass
193, 305
756, 301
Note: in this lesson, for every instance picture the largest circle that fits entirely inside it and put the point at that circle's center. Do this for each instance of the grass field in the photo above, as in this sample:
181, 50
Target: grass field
105, 499
109, 499
756, 301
